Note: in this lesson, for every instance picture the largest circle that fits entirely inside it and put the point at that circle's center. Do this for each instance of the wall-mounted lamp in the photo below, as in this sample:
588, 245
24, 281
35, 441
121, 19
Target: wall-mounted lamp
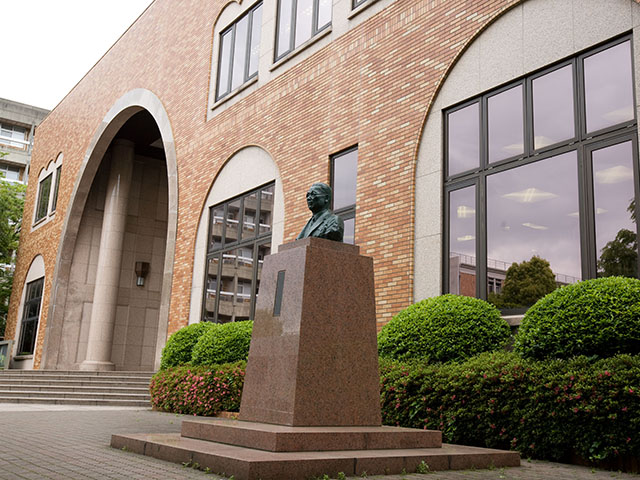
142, 268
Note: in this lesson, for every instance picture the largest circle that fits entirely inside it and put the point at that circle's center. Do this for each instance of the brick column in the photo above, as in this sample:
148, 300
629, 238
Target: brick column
105, 296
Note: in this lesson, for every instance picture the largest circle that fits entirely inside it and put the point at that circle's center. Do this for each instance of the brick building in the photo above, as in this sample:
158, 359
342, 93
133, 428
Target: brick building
450, 130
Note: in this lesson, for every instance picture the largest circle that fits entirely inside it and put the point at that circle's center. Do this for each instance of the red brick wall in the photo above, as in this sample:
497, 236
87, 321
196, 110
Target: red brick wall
371, 87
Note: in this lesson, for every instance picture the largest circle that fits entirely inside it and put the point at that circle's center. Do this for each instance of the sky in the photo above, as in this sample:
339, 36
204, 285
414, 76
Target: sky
49, 45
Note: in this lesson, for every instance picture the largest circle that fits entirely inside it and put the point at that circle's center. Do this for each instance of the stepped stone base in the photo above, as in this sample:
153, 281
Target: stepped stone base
280, 438
351, 450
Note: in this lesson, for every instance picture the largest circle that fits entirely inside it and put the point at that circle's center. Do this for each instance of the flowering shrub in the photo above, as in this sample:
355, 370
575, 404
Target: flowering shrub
444, 328
592, 317
203, 390
548, 410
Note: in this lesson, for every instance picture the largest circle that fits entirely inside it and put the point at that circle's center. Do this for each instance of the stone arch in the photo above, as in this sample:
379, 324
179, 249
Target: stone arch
130, 104
248, 168
525, 38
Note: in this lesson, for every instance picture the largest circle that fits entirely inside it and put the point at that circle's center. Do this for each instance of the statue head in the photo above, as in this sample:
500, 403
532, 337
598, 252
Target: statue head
319, 197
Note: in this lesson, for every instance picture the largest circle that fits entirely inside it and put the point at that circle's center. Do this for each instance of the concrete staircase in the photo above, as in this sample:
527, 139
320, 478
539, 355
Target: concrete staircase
119, 389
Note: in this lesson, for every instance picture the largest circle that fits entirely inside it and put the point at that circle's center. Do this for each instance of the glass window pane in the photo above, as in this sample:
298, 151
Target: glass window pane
349, 231
553, 113
256, 32
304, 19
284, 27
227, 286
225, 63
54, 202
266, 209
233, 220
28, 337
211, 288
613, 190
215, 235
464, 139
462, 241
532, 216
249, 216
240, 52
608, 87
345, 169
505, 124
324, 13
43, 198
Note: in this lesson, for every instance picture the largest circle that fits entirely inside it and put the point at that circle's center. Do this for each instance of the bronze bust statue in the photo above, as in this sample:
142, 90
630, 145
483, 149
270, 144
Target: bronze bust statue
323, 223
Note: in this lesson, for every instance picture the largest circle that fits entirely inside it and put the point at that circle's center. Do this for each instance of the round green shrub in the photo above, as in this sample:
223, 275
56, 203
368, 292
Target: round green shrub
440, 329
180, 345
228, 342
594, 317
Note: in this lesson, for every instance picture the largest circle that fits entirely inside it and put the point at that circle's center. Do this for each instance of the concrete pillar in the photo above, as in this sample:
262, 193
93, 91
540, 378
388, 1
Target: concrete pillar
105, 296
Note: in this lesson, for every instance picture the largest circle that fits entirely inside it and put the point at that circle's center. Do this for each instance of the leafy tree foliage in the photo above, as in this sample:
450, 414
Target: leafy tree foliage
620, 256
11, 206
525, 283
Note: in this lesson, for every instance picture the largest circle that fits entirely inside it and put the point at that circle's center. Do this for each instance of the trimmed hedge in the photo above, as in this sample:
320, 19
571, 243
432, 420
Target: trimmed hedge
549, 410
228, 342
204, 390
594, 317
444, 328
179, 347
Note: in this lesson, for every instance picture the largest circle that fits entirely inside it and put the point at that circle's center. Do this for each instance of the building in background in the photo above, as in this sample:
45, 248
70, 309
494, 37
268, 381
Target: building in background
18, 124
459, 138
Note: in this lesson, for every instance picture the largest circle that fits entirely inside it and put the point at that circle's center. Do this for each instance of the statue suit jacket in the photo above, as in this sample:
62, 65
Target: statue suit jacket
326, 225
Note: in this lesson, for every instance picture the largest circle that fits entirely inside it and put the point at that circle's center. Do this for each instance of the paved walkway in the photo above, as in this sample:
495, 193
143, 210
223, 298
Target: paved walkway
68, 443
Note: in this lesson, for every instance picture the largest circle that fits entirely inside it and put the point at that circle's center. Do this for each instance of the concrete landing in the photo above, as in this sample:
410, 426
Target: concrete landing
252, 464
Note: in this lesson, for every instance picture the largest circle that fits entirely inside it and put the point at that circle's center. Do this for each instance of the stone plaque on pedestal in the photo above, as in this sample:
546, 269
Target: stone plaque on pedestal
313, 358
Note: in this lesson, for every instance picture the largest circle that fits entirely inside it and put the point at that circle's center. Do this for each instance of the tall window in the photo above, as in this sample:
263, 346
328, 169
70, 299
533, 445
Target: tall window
44, 190
54, 200
544, 171
239, 239
30, 316
239, 52
13, 136
298, 21
344, 169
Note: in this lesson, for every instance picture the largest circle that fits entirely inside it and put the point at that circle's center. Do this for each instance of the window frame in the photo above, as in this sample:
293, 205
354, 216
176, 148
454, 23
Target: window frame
39, 204
256, 241
347, 212
56, 189
247, 76
315, 29
583, 143
34, 319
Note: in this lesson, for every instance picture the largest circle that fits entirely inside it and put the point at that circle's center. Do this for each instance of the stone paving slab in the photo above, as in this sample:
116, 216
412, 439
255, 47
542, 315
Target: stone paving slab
69, 442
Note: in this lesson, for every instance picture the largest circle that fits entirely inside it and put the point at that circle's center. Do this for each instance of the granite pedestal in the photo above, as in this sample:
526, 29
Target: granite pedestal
311, 400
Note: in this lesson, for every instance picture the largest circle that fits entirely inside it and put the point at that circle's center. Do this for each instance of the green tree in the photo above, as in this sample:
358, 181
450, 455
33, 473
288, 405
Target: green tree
620, 256
11, 206
525, 283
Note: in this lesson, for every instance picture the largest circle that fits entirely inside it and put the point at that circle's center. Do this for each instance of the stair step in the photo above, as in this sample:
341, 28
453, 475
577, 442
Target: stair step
75, 383
76, 387
78, 395
72, 388
76, 401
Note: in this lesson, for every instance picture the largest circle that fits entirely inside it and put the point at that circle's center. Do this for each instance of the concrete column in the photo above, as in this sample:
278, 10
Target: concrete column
105, 296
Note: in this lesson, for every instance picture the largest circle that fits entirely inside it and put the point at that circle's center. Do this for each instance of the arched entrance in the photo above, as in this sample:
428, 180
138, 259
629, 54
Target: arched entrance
109, 308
